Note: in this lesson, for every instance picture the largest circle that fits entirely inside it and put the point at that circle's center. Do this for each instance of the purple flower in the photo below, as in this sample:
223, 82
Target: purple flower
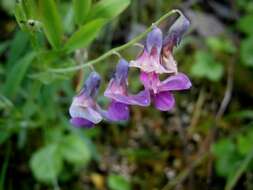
84, 111
176, 31
161, 91
150, 59
120, 98
156, 59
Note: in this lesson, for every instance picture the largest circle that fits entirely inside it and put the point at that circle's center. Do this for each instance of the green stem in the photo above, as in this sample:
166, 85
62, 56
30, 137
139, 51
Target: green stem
117, 49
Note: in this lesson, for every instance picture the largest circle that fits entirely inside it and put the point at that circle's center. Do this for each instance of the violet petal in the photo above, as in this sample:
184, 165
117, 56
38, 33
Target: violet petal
91, 85
150, 81
176, 31
117, 111
80, 122
164, 101
175, 82
154, 40
140, 99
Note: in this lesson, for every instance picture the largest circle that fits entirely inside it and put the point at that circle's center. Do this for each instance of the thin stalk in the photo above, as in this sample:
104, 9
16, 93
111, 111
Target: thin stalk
116, 49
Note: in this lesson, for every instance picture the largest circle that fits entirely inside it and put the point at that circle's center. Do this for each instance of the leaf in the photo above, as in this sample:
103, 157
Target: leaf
4, 46
227, 158
221, 45
206, 67
48, 77
84, 36
245, 24
52, 23
16, 75
74, 150
19, 14
81, 10
244, 142
30, 8
108, 8
4, 135
18, 47
117, 182
235, 176
246, 52
46, 163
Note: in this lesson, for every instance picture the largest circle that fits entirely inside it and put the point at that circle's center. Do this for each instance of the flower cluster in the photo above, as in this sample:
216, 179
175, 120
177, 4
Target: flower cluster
155, 59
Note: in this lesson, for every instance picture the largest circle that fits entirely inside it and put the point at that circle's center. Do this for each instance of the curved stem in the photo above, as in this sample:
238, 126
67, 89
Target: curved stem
116, 49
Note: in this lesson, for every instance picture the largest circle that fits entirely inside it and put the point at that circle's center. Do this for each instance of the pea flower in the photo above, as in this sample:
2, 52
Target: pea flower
120, 97
176, 31
150, 59
157, 59
84, 110
161, 91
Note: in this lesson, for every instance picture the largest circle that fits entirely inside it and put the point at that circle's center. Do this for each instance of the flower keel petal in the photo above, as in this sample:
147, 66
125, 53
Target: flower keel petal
164, 101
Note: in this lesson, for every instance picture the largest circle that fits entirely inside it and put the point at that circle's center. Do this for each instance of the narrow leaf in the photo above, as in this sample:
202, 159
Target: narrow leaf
81, 10
51, 22
16, 75
83, 37
108, 8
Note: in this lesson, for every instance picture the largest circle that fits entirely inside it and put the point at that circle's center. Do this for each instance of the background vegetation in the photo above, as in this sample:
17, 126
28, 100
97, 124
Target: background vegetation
204, 143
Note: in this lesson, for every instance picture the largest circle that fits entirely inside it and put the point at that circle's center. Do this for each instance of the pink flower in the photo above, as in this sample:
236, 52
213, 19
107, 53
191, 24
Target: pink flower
161, 91
84, 110
120, 97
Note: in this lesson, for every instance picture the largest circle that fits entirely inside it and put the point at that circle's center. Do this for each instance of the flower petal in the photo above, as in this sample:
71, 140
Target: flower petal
176, 32
149, 63
169, 62
117, 111
87, 113
91, 85
121, 73
154, 40
175, 82
150, 81
140, 99
80, 122
164, 101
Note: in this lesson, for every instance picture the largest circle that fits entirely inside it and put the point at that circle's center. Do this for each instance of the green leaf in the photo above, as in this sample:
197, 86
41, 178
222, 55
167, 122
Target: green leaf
48, 77
242, 167
19, 14
108, 8
221, 45
244, 142
52, 23
245, 24
74, 150
81, 10
30, 8
16, 75
84, 36
227, 158
46, 163
246, 52
117, 182
206, 67
4, 135
18, 47
4, 46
